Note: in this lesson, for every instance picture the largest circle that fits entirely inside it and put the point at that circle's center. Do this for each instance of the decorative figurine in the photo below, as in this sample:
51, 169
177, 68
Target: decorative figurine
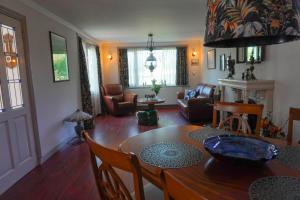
230, 65
249, 72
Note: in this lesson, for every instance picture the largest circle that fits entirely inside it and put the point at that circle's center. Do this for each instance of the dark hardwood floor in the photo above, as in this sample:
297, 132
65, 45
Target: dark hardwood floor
68, 174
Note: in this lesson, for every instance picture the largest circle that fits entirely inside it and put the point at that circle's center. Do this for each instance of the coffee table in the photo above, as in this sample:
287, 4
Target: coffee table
151, 102
149, 117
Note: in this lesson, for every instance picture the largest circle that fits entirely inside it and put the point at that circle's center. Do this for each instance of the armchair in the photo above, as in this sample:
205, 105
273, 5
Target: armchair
117, 101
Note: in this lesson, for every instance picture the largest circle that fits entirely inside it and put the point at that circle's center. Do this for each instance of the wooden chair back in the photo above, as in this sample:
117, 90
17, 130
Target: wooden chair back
175, 189
238, 110
110, 185
294, 114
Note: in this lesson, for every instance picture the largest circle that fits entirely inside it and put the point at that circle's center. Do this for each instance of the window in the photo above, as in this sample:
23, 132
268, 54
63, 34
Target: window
165, 71
12, 67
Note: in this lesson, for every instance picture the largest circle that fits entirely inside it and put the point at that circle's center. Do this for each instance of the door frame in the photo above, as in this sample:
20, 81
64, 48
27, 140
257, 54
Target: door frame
22, 19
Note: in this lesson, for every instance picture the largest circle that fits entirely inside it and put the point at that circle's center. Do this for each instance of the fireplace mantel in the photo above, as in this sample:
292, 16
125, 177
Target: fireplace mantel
266, 87
248, 85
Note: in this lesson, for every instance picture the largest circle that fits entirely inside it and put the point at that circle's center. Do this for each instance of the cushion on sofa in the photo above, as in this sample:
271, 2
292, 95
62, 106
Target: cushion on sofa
191, 94
206, 91
199, 88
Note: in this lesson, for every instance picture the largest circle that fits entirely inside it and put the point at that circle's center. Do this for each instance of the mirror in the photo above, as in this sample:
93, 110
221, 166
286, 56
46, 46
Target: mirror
59, 57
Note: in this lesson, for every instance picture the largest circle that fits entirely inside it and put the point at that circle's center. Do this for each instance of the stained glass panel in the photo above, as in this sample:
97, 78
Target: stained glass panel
12, 66
1, 101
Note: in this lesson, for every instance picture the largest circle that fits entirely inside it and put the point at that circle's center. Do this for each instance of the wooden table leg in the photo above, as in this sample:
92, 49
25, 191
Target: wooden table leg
151, 106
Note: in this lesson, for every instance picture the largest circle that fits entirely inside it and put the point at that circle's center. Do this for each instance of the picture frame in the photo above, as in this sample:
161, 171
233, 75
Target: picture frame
258, 54
211, 59
241, 55
195, 61
222, 62
59, 57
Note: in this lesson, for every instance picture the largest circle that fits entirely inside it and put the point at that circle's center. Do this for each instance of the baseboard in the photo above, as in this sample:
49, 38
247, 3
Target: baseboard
58, 147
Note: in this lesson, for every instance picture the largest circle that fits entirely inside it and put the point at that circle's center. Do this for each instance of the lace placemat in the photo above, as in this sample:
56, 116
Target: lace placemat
290, 156
275, 188
206, 132
171, 155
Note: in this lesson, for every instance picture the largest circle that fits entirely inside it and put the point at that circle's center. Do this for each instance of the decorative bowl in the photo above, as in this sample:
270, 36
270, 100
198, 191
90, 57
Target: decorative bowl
240, 148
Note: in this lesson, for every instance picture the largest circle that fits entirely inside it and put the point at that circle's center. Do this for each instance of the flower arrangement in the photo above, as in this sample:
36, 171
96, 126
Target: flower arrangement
269, 129
155, 87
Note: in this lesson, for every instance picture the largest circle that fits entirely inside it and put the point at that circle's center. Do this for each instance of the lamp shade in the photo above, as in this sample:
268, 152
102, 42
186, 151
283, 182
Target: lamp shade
78, 116
151, 62
241, 23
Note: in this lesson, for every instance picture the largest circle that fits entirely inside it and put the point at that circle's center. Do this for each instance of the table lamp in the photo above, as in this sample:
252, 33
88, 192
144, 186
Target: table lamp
79, 117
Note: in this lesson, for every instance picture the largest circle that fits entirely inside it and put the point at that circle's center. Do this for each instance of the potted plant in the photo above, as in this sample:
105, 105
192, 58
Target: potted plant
155, 87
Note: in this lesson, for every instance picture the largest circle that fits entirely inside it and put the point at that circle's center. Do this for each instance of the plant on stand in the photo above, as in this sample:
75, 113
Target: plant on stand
155, 87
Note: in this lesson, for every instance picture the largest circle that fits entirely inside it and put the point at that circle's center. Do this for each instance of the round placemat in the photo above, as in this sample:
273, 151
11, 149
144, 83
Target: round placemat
171, 155
206, 132
275, 188
290, 156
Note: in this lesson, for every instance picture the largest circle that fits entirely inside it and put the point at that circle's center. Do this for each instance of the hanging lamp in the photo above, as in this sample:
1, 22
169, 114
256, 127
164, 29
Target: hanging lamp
151, 61
242, 23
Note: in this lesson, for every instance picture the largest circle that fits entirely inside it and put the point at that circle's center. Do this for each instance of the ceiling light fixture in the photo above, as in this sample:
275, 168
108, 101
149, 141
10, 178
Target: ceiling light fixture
242, 23
151, 61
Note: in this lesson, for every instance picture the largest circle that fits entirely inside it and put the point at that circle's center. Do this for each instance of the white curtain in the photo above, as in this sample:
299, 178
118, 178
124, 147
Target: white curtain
92, 68
165, 71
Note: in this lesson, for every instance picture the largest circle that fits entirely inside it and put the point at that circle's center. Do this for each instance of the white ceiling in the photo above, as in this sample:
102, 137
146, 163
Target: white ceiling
132, 20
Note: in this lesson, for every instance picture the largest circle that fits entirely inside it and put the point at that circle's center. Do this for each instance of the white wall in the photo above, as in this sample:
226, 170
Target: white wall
110, 68
282, 64
54, 101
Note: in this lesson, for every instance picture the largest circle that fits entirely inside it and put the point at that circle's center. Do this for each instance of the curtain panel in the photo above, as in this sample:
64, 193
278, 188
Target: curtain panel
86, 97
181, 67
102, 106
123, 66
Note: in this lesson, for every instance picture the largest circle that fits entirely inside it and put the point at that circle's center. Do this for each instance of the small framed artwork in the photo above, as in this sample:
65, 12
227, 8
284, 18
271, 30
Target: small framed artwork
195, 61
59, 57
240, 55
211, 59
222, 62
257, 52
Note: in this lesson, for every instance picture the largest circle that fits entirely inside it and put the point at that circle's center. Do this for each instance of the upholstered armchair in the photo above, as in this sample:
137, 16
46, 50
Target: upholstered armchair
117, 101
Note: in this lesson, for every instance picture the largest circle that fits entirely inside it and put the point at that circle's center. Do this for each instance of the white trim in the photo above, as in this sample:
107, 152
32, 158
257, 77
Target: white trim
60, 20
54, 150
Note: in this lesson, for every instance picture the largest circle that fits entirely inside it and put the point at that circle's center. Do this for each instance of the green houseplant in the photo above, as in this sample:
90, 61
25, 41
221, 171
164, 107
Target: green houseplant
155, 87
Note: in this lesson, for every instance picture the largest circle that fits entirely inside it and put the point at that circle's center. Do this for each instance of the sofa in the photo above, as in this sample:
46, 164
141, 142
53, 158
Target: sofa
117, 101
196, 105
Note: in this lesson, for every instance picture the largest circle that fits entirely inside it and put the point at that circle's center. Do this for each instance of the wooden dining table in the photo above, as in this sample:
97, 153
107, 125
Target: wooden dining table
211, 178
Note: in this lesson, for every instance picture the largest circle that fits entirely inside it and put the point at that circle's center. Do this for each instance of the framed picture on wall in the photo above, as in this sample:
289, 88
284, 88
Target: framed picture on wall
222, 62
243, 54
195, 61
211, 59
258, 54
59, 57
240, 55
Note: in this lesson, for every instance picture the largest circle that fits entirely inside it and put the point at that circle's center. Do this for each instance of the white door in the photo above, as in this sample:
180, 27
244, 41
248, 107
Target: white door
17, 147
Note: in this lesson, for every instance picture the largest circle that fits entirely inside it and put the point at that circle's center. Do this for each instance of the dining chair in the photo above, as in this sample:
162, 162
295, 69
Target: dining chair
238, 111
174, 189
294, 115
109, 183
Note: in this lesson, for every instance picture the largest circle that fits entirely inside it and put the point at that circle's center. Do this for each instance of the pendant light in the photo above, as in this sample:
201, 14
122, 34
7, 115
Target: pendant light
241, 23
151, 60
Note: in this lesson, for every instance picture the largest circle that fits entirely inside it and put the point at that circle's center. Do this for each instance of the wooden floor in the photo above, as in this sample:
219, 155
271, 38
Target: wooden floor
68, 174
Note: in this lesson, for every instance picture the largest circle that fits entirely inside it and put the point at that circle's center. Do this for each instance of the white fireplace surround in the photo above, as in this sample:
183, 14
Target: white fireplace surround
260, 90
